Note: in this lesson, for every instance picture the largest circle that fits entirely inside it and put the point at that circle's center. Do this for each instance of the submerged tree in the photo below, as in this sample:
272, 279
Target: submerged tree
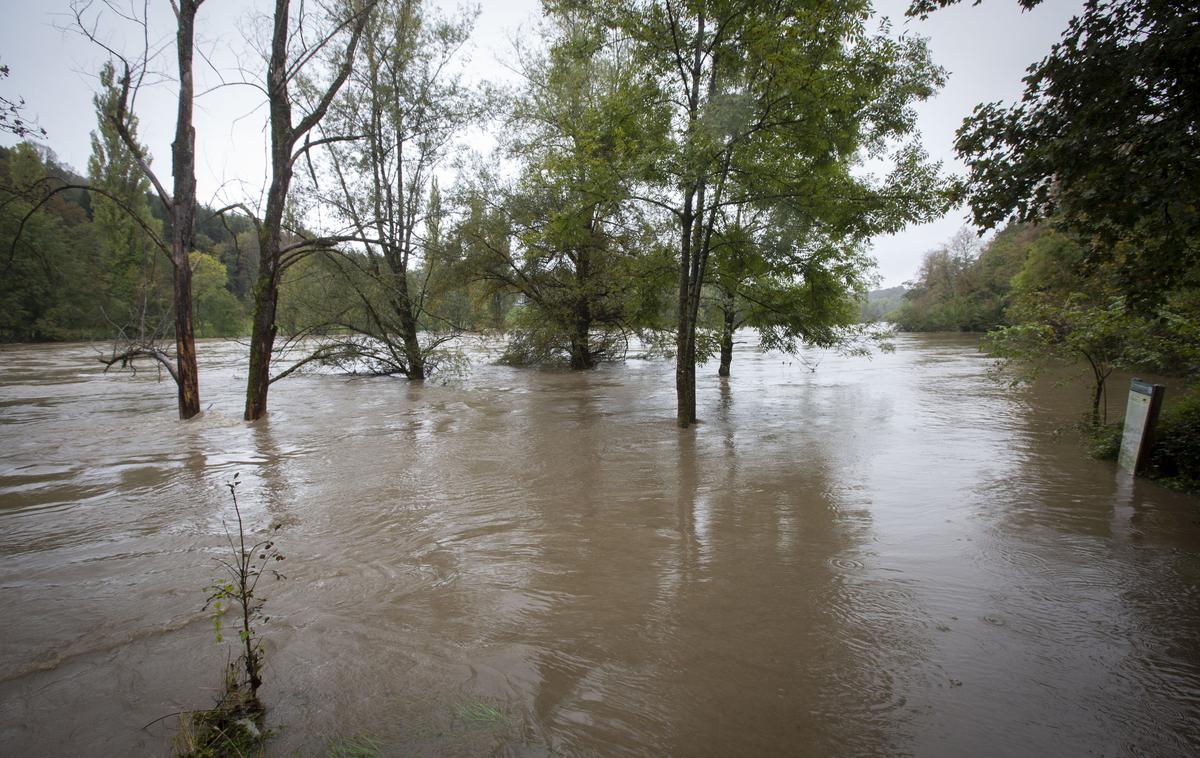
1059, 315
179, 205
793, 282
405, 107
588, 131
290, 53
766, 99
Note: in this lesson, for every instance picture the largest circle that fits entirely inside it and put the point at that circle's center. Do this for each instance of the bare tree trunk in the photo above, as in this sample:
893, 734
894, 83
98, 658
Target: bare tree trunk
685, 343
179, 205
183, 231
685, 338
262, 344
283, 142
183, 217
266, 292
580, 347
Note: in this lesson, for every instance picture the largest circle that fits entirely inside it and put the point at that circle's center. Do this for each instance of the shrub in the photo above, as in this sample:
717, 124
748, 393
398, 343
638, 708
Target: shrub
1104, 441
1176, 454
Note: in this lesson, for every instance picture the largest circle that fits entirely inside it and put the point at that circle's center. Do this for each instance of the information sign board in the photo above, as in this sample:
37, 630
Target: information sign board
1141, 411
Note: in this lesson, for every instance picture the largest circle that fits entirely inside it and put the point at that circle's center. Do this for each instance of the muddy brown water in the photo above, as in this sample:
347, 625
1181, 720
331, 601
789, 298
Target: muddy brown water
886, 557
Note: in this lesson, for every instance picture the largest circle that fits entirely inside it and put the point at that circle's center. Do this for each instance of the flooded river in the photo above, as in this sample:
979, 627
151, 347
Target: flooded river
887, 557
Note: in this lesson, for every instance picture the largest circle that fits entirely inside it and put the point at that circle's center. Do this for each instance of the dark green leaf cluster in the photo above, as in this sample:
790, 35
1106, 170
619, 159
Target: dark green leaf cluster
1106, 139
1176, 453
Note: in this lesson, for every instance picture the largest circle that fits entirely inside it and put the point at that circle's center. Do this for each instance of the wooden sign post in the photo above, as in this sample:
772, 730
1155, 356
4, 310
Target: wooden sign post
1141, 413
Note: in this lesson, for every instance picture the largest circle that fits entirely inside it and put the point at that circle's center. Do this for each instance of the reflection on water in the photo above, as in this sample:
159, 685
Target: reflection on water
879, 558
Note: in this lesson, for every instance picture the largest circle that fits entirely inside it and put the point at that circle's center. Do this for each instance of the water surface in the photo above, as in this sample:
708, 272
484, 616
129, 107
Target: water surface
887, 557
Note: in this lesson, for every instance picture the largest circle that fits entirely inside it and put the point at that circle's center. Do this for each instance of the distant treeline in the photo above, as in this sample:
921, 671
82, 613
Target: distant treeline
963, 286
65, 277
77, 270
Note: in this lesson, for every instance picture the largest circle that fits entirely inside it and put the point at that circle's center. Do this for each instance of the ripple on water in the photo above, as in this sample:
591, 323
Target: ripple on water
845, 564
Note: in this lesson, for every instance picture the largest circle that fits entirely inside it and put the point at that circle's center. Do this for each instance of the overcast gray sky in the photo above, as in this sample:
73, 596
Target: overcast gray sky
986, 49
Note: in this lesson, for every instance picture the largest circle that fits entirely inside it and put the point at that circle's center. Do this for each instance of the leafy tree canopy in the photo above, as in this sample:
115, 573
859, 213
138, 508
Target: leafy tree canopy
1106, 137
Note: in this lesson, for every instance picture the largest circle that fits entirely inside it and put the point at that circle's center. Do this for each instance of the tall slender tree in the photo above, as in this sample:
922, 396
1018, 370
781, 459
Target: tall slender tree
289, 58
179, 204
587, 130
128, 256
407, 105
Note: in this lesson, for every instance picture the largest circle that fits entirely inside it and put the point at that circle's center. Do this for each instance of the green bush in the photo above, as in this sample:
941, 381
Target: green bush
1104, 441
1176, 454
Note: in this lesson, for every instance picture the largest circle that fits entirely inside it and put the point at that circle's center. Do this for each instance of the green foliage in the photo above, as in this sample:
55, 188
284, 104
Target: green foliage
587, 131
353, 747
1104, 441
238, 250
1103, 332
1104, 139
217, 311
1175, 457
135, 278
226, 731
48, 274
235, 591
81, 269
961, 287
776, 105
234, 726
1102, 145
790, 281
407, 105
479, 713
877, 305
87, 264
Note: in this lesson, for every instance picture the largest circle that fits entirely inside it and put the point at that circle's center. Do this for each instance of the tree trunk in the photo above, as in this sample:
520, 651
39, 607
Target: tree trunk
1097, 388
403, 306
188, 376
262, 344
183, 210
283, 139
1097, 398
730, 311
581, 329
266, 292
263, 329
685, 343
685, 338
580, 347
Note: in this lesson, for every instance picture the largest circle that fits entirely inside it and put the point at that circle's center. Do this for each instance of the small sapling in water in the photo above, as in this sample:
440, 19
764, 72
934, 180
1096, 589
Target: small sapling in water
235, 721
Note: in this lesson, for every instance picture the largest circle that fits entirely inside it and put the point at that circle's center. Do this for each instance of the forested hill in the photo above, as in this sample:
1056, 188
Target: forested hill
880, 303
76, 273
